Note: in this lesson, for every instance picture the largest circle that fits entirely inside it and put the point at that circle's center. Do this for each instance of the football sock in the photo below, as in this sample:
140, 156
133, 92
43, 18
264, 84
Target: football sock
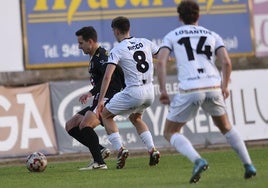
76, 133
184, 146
234, 139
101, 147
115, 140
92, 142
147, 139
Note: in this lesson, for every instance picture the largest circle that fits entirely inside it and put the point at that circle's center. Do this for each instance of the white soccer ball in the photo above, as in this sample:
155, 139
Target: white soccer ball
36, 162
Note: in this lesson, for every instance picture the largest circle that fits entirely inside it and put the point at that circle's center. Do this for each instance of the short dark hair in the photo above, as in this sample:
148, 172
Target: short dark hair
121, 23
87, 33
188, 11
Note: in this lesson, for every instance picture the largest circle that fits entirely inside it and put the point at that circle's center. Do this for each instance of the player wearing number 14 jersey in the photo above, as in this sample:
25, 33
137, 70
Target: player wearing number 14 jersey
200, 85
135, 56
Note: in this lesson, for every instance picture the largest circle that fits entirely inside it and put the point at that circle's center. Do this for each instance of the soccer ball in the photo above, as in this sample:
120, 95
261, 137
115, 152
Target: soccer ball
36, 162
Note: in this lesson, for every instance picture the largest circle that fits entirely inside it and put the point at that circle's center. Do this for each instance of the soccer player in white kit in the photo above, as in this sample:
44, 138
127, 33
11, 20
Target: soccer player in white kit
200, 85
135, 56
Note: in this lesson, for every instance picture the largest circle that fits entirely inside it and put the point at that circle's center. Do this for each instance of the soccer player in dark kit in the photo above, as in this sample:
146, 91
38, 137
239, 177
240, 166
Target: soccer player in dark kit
81, 125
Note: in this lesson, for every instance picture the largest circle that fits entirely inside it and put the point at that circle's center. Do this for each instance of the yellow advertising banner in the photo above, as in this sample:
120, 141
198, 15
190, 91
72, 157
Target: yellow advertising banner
58, 20
25, 121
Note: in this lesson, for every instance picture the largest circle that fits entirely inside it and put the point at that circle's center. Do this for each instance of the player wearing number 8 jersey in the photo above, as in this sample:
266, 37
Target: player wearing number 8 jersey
135, 56
200, 85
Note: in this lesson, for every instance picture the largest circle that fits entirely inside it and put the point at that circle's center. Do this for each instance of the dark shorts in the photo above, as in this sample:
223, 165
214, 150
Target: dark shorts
94, 105
91, 108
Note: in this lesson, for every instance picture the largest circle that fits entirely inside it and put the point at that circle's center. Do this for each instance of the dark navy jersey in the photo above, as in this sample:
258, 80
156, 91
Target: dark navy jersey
97, 67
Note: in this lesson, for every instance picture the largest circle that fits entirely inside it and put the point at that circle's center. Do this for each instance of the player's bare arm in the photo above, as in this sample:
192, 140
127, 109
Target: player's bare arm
226, 66
162, 59
104, 86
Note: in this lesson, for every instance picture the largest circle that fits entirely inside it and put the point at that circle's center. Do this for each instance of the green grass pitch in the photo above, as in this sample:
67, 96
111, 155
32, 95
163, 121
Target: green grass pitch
174, 170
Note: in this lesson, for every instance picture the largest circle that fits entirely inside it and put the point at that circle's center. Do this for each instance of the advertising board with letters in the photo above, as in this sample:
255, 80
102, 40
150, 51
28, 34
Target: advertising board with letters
33, 118
25, 121
260, 15
49, 26
246, 107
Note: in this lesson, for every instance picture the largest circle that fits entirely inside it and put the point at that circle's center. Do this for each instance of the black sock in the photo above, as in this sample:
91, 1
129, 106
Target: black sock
101, 147
76, 133
91, 140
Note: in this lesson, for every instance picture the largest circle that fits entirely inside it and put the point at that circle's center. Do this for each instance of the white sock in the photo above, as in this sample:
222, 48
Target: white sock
147, 139
115, 140
234, 139
184, 146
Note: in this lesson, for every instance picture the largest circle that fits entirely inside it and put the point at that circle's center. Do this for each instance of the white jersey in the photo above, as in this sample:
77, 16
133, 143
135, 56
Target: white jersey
134, 55
194, 48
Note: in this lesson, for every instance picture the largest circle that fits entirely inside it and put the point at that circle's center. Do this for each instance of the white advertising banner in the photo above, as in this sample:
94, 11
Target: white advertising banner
247, 108
248, 104
260, 17
10, 36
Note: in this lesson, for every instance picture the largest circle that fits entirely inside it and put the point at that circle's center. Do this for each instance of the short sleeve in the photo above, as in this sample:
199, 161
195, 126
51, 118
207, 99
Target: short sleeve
219, 41
155, 48
114, 56
167, 42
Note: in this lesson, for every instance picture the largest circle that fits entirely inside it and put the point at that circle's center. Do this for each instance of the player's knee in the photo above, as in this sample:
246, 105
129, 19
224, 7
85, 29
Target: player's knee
169, 130
134, 118
131, 119
167, 135
106, 114
73, 122
92, 124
